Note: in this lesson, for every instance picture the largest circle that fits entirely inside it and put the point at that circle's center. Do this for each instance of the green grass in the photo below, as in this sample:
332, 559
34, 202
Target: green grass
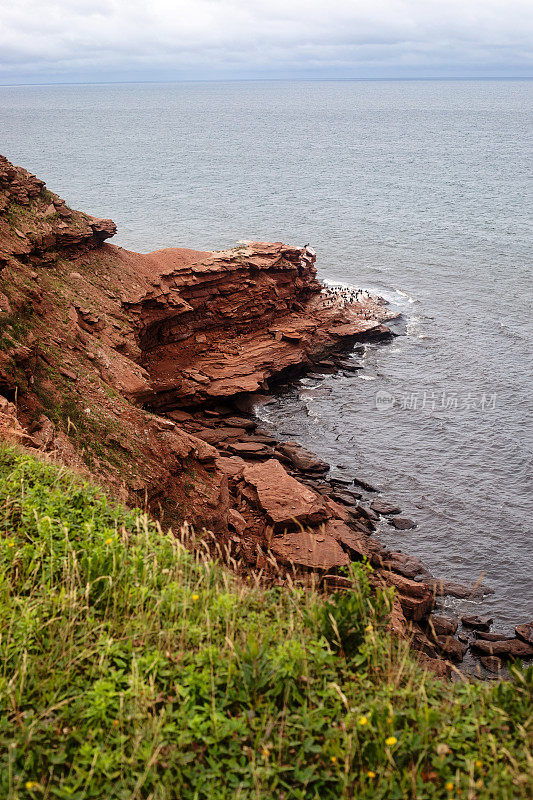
131, 667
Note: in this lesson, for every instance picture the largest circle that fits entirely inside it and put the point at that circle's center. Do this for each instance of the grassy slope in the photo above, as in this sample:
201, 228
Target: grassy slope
131, 668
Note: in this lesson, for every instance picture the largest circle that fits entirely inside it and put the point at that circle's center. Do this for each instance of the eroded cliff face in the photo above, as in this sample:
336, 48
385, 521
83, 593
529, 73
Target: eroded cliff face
223, 324
132, 368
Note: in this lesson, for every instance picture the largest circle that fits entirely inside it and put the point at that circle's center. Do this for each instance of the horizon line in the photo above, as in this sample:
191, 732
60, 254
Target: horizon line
280, 80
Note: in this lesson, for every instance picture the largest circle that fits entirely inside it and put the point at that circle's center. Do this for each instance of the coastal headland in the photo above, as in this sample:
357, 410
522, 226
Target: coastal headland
139, 370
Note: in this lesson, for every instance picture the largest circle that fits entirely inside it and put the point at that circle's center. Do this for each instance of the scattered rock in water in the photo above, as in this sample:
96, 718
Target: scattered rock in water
409, 566
525, 632
479, 623
346, 498
340, 482
384, 508
365, 485
350, 366
452, 648
508, 648
463, 591
441, 625
402, 523
491, 663
302, 458
492, 637
367, 513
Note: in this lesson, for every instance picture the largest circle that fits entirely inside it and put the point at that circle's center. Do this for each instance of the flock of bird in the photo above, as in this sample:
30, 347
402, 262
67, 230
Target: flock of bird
342, 295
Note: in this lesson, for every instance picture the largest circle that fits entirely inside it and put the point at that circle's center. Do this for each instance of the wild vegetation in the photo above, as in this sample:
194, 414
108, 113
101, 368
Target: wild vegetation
132, 666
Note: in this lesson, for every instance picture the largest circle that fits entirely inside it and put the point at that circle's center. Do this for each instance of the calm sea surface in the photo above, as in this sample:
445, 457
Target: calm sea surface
418, 190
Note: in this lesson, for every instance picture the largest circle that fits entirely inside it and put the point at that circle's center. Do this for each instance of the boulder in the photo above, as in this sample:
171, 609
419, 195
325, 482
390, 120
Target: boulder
421, 643
491, 663
310, 549
236, 521
232, 466
285, 501
479, 623
384, 508
340, 483
441, 625
439, 668
508, 648
346, 498
525, 632
365, 485
492, 637
368, 513
350, 541
409, 566
416, 599
451, 648
302, 458
402, 523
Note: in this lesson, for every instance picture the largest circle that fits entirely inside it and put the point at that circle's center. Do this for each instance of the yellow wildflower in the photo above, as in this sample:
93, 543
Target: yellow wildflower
31, 785
116, 723
333, 759
371, 774
363, 721
449, 786
389, 720
369, 628
195, 597
266, 752
390, 741
109, 541
479, 763
11, 543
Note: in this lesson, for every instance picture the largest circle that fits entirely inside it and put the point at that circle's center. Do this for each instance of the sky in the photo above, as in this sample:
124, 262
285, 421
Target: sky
73, 41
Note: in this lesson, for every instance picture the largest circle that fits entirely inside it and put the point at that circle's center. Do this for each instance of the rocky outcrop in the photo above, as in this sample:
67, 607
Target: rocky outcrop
36, 225
213, 326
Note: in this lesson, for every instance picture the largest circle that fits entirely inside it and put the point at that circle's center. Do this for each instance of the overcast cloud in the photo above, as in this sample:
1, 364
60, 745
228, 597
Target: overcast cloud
104, 40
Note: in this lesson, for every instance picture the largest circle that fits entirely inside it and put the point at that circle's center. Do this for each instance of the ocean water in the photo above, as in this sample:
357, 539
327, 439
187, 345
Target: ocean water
419, 190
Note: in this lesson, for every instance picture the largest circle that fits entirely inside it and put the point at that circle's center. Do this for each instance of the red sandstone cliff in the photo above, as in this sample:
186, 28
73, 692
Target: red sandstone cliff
92, 335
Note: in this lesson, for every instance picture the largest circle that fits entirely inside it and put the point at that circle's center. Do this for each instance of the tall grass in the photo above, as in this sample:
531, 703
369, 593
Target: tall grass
133, 667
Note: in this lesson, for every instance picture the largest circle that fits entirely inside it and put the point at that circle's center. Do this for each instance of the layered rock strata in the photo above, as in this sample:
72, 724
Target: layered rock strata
133, 368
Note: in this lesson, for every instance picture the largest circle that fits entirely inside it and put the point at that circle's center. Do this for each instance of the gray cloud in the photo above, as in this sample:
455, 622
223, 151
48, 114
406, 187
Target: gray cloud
72, 40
